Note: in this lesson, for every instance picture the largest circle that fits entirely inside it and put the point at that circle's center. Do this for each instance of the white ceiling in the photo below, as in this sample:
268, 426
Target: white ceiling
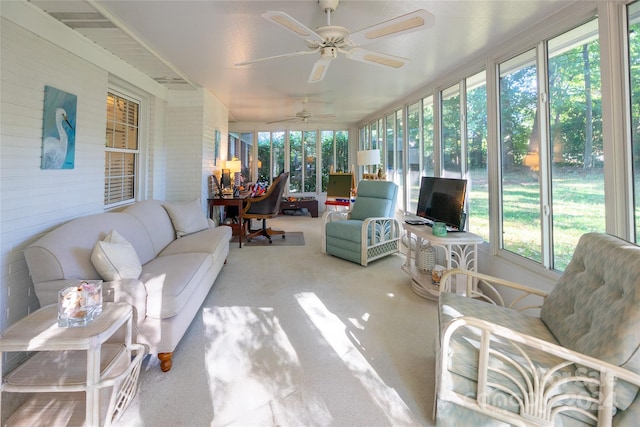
196, 43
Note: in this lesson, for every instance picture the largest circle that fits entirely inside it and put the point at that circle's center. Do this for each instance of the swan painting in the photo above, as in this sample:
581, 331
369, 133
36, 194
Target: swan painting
58, 144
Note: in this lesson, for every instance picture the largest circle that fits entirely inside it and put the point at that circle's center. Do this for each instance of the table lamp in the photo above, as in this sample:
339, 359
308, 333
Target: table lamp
368, 158
235, 166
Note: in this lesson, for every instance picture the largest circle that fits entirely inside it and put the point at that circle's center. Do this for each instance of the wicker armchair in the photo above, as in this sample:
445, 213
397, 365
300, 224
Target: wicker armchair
368, 230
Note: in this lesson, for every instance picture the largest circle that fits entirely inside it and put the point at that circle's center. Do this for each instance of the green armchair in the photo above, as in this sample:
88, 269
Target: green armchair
368, 230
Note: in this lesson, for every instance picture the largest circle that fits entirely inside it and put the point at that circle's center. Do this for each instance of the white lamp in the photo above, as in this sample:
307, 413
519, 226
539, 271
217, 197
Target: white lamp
235, 166
368, 157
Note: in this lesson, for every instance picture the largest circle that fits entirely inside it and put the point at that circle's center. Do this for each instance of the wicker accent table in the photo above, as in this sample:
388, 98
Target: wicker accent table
460, 251
79, 376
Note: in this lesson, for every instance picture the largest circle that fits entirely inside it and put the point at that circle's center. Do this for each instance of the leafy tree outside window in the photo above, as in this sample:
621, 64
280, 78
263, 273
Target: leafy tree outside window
451, 139
414, 143
633, 14
520, 159
575, 134
476, 149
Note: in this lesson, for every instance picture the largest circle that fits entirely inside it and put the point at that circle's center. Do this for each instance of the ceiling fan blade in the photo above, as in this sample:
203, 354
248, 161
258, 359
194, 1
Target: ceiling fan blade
376, 58
319, 70
414, 21
289, 23
325, 116
291, 119
284, 55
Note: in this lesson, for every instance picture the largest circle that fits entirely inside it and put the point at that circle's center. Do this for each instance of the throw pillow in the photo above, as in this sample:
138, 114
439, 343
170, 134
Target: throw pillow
187, 217
115, 258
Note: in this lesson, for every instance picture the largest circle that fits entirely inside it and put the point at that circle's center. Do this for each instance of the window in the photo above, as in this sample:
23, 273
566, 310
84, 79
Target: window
310, 160
121, 150
264, 157
335, 153
296, 162
390, 130
476, 142
520, 160
575, 136
241, 148
633, 13
270, 155
552, 159
451, 140
464, 145
414, 112
398, 175
427, 137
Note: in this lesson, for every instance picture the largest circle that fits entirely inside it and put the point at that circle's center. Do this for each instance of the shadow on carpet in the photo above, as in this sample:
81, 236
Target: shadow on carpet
293, 238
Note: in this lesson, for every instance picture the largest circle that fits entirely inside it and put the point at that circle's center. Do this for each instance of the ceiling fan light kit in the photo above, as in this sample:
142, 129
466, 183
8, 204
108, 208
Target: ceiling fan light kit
305, 115
329, 40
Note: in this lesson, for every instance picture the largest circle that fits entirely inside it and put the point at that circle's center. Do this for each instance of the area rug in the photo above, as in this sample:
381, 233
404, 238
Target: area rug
293, 238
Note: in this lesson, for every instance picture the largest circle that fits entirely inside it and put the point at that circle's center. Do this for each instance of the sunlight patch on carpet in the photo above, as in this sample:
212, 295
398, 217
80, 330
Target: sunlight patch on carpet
333, 331
254, 371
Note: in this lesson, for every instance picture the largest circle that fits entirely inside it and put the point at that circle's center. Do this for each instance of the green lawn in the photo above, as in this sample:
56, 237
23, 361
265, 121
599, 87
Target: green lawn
578, 207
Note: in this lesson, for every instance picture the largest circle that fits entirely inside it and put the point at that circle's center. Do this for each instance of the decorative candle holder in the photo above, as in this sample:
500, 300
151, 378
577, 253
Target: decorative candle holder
79, 304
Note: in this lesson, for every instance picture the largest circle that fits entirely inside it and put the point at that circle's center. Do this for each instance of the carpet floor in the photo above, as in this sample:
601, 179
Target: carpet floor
294, 337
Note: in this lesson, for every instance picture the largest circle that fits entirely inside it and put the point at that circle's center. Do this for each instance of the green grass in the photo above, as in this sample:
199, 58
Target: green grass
578, 208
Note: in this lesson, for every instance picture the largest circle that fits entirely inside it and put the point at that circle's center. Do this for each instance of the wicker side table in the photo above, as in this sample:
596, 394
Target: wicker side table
79, 376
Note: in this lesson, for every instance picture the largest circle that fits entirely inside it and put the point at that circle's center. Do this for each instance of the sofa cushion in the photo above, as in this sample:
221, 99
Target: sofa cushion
65, 253
115, 258
211, 241
465, 362
170, 281
187, 217
155, 220
593, 309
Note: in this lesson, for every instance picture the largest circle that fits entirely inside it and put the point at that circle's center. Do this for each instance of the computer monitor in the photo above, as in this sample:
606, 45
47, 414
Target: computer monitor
226, 178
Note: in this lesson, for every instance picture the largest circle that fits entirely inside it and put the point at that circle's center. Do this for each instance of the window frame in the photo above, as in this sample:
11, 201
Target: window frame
117, 89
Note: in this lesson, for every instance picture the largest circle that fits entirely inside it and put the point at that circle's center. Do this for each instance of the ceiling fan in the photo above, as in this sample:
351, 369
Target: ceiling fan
305, 115
329, 40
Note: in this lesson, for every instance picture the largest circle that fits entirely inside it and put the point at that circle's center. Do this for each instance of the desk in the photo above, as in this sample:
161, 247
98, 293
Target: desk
230, 201
460, 248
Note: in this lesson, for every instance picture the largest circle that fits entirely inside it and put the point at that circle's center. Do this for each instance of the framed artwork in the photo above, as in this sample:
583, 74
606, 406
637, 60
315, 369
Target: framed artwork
216, 147
58, 129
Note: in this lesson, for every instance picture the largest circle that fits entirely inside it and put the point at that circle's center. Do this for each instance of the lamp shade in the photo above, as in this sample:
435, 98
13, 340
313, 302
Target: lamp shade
368, 157
234, 166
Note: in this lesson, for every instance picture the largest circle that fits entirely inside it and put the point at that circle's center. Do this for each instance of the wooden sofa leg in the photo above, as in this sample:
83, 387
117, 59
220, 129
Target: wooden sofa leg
165, 361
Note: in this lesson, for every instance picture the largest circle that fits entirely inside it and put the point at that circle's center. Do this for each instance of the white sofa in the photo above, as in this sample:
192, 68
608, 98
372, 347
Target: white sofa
176, 273
577, 363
